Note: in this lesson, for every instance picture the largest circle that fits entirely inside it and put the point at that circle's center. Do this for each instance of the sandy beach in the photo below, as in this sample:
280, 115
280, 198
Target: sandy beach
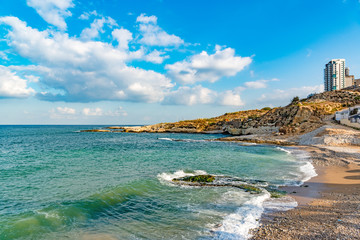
328, 204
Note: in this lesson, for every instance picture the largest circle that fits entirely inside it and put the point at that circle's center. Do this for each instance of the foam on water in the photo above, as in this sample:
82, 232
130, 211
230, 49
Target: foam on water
284, 150
307, 169
238, 225
182, 140
280, 204
178, 174
166, 139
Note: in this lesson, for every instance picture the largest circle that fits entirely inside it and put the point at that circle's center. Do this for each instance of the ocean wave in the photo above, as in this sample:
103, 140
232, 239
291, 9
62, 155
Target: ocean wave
284, 150
280, 204
307, 169
238, 225
168, 177
182, 140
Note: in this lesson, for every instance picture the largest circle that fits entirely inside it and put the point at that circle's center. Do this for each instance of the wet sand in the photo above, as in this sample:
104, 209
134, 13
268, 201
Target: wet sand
329, 204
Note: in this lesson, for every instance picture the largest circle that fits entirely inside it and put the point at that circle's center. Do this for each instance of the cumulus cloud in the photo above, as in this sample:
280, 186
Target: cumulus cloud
12, 85
52, 11
97, 27
230, 98
83, 71
259, 83
123, 37
153, 35
205, 67
156, 56
200, 95
280, 96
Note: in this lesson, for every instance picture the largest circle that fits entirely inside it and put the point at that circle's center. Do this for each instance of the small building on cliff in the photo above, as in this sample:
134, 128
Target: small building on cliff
349, 116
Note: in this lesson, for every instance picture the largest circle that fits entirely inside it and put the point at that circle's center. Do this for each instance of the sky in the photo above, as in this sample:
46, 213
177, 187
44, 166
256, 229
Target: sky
122, 62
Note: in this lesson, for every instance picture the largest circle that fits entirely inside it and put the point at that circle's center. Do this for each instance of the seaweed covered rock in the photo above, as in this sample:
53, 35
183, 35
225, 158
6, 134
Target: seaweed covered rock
197, 178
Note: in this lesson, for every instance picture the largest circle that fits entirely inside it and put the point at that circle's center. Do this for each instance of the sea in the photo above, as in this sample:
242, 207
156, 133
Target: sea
59, 183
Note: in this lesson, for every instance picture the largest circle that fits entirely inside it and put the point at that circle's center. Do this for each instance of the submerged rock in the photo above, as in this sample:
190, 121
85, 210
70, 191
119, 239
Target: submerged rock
222, 181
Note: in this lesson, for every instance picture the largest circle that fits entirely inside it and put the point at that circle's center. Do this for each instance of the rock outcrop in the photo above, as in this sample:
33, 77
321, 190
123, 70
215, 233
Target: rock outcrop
299, 117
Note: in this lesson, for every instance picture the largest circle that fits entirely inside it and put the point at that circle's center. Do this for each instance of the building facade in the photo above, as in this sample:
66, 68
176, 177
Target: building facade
349, 79
334, 75
357, 82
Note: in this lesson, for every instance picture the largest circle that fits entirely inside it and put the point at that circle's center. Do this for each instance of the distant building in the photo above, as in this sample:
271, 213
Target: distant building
349, 79
357, 82
334, 75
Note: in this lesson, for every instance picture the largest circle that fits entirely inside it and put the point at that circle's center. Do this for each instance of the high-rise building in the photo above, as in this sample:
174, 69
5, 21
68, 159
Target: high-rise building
334, 75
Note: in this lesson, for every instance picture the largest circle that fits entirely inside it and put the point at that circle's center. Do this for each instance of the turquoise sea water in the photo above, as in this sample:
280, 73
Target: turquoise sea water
58, 183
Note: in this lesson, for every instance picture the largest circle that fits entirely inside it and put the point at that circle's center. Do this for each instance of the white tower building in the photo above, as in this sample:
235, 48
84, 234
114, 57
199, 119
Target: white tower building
334, 75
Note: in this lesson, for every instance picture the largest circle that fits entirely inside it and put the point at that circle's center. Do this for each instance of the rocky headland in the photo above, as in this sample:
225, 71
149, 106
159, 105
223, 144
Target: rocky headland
299, 117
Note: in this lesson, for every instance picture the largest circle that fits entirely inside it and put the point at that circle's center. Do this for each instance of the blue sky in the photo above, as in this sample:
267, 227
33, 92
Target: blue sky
141, 62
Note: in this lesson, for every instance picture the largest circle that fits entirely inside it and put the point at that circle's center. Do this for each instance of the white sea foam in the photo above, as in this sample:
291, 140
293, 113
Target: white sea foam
238, 225
179, 174
284, 150
280, 204
166, 139
49, 214
182, 140
307, 169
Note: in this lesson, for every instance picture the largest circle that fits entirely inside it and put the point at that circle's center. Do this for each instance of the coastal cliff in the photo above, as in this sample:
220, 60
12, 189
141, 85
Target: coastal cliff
299, 117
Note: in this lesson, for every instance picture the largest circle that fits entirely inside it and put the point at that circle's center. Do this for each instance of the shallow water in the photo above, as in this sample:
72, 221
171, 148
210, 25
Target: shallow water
57, 183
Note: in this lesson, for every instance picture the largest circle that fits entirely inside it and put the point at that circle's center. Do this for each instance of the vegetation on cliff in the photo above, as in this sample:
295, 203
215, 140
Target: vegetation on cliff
300, 116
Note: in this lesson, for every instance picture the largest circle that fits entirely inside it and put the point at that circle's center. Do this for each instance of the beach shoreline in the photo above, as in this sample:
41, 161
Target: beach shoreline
328, 204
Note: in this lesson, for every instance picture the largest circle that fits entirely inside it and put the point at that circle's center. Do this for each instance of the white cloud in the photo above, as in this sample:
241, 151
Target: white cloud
153, 35
259, 83
92, 112
63, 113
156, 56
199, 95
256, 84
118, 112
84, 71
230, 98
3, 56
86, 15
146, 19
190, 96
32, 78
205, 67
52, 11
280, 96
12, 85
123, 37
66, 110
97, 27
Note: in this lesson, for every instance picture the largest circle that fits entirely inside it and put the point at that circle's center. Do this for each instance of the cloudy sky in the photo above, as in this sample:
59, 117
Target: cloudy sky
149, 61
